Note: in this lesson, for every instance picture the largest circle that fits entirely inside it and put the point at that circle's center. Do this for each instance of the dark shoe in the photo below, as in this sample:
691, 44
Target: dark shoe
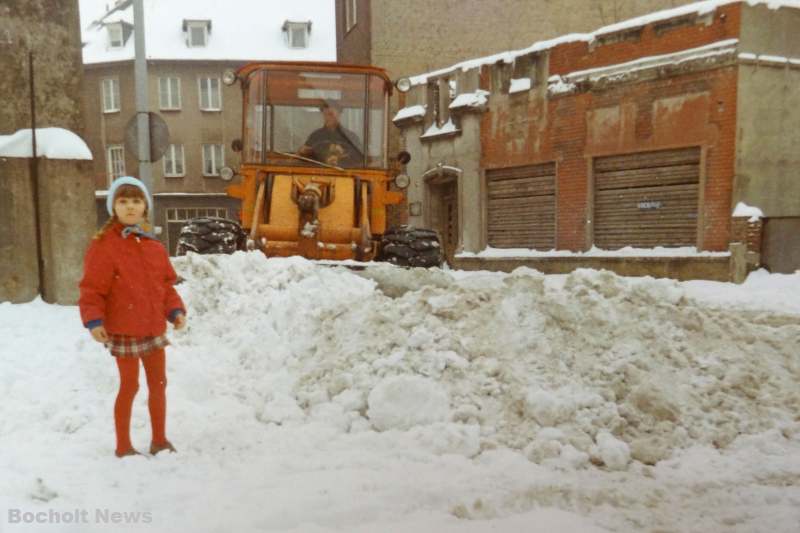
167, 445
126, 453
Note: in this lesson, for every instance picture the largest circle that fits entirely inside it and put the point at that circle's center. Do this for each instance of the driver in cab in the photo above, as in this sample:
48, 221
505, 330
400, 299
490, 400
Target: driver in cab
333, 144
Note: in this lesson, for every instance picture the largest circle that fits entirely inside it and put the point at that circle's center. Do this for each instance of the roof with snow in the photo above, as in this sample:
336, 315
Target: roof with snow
254, 30
699, 8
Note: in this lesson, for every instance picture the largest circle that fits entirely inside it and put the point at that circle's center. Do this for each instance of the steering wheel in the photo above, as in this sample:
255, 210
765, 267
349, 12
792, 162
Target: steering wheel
330, 152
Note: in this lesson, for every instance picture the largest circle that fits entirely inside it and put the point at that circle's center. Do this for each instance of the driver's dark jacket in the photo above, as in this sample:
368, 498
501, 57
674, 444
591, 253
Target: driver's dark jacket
323, 138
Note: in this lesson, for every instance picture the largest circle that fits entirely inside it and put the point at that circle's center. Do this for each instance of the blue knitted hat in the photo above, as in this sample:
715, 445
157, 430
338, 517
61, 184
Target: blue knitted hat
127, 180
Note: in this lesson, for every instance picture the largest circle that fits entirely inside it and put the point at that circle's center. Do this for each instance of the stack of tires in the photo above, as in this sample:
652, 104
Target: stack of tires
412, 247
211, 235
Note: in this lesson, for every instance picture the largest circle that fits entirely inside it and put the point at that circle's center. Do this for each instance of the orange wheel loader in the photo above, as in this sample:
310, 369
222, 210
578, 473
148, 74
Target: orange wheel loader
315, 175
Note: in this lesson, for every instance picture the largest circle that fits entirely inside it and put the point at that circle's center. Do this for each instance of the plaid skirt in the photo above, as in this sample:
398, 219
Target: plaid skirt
125, 346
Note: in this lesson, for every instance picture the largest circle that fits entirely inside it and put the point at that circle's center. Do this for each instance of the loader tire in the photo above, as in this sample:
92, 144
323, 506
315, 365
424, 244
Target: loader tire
412, 247
211, 235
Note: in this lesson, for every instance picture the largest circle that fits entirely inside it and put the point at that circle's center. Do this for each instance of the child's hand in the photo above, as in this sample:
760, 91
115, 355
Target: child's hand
180, 321
99, 334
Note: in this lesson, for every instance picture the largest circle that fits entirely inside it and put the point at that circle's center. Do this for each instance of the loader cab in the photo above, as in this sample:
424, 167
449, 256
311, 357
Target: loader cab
334, 115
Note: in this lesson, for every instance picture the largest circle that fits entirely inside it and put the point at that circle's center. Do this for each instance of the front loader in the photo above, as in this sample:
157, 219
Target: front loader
315, 175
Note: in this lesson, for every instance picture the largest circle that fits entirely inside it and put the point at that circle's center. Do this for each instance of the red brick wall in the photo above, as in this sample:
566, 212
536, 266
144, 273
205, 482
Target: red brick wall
693, 109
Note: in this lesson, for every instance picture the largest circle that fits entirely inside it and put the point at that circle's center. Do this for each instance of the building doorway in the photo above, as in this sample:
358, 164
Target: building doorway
444, 214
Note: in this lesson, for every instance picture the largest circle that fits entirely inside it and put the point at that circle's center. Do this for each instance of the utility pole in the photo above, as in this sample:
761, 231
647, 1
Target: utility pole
142, 116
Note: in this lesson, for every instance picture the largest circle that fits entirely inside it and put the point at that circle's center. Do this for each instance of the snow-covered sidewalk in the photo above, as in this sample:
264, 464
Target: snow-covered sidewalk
305, 398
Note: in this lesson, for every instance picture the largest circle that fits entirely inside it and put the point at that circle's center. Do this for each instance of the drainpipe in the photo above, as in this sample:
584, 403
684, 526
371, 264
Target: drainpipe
34, 174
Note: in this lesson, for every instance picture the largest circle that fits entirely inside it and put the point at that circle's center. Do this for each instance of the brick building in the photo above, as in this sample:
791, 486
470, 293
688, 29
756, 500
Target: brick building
644, 133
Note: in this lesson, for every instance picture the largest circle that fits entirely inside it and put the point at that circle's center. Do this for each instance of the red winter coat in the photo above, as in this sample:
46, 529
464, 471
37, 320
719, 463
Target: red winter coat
128, 285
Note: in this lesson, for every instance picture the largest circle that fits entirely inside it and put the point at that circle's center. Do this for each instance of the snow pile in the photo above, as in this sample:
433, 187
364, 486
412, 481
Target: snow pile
754, 214
422, 400
547, 372
51, 143
402, 402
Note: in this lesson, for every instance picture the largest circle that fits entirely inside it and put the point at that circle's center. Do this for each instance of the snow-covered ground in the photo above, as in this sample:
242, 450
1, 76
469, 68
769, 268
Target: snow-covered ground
308, 398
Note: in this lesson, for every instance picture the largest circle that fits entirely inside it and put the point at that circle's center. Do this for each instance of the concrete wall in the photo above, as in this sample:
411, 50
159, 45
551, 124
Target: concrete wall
768, 158
49, 29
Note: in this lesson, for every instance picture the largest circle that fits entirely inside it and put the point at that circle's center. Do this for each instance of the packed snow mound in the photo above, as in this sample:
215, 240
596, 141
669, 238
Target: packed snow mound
604, 370
402, 402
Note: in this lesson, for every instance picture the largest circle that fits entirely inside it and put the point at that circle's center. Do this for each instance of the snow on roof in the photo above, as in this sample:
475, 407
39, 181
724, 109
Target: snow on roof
51, 143
699, 8
241, 30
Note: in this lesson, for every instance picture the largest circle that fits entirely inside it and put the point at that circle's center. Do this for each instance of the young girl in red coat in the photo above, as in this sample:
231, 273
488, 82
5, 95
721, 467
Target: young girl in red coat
126, 298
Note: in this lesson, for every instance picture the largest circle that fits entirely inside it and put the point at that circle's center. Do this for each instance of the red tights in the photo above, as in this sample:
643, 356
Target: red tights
155, 369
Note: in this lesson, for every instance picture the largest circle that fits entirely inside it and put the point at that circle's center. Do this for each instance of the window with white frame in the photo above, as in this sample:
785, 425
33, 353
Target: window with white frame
196, 32
116, 161
350, 14
182, 214
169, 93
213, 159
116, 38
110, 90
297, 33
173, 161
210, 98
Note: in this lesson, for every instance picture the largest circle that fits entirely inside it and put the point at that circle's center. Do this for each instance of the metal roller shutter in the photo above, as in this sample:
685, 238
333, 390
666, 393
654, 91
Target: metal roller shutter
522, 207
647, 199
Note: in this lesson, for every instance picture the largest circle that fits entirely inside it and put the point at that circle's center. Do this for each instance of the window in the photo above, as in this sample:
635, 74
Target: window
116, 161
182, 214
350, 14
209, 94
196, 32
173, 161
110, 89
297, 33
213, 159
116, 38
169, 93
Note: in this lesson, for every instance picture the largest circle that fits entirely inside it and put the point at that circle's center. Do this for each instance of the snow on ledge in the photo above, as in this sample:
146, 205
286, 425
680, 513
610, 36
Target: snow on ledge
519, 85
51, 143
409, 112
744, 210
434, 131
769, 59
628, 251
476, 99
557, 85
699, 8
